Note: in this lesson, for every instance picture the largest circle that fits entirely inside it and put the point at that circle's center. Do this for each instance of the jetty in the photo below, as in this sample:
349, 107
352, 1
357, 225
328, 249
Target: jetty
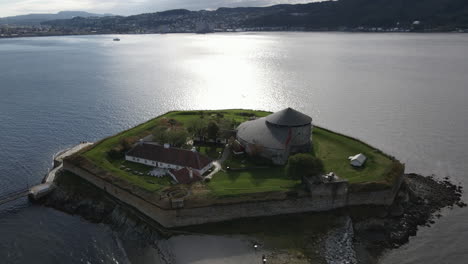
47, 186
41, 190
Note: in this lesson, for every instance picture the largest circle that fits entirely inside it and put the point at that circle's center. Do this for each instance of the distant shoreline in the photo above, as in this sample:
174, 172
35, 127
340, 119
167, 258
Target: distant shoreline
237, 32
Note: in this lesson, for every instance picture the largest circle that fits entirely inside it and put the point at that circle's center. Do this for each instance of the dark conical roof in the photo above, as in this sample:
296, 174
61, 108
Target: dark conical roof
289, 117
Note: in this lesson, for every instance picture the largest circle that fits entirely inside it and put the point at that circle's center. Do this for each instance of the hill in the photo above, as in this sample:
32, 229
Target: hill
36, 19
433, 15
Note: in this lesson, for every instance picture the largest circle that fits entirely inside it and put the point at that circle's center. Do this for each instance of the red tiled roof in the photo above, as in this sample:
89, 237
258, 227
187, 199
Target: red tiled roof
183, 176
175, 156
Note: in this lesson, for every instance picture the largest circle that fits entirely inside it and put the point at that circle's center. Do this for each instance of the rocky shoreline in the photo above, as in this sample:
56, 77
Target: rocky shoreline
418, 204
363, 235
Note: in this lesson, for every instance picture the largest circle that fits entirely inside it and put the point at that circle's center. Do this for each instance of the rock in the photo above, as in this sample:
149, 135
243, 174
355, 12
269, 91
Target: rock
403, 196
382, 212
369, 224
424, 198
339, 244
421, 198
93, 205
396, 210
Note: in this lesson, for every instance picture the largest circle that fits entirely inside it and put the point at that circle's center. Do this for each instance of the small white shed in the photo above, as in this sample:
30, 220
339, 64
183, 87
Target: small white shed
357, 160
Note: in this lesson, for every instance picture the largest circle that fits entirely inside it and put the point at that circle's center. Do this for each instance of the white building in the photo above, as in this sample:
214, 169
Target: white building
357, 160
178, 161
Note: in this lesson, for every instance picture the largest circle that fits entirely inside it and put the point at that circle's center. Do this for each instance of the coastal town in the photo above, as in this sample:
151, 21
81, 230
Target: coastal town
302, 18
12, 31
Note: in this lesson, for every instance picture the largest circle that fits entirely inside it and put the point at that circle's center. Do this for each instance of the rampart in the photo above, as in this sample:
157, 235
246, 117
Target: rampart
323, 197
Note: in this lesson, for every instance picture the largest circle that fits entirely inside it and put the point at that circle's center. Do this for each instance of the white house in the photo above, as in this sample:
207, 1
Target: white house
357, 160
174, 159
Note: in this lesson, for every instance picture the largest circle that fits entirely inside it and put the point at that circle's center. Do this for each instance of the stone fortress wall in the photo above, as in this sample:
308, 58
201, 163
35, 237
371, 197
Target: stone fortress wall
323, 197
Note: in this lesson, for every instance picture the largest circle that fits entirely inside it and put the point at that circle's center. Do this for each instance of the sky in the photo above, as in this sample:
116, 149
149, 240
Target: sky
124, 7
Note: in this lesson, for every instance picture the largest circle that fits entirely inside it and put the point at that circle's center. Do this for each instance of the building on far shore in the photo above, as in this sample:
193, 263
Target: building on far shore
185, 166
277, 136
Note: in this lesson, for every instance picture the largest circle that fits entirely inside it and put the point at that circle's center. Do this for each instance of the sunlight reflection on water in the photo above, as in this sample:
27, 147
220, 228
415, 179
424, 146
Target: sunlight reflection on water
403, 93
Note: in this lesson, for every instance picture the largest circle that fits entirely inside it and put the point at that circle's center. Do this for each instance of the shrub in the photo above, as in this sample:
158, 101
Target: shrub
172, 122
303, 164
116, 152
212, 130
245, 114
128, 142
396, 170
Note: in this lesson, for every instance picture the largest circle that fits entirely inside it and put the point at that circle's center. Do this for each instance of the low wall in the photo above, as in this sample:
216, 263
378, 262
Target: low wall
322, 199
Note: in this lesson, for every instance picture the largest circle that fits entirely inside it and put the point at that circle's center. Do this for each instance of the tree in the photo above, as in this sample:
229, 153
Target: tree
174, 136
303, 164
177, 138
212, 130
226, 128
197, 127
160, 134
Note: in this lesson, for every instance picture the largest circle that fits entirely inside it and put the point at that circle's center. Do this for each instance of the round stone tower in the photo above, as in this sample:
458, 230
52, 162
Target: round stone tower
277, 136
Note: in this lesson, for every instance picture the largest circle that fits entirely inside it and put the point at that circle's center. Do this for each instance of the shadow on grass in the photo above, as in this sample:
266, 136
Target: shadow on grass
233, 175
260, 176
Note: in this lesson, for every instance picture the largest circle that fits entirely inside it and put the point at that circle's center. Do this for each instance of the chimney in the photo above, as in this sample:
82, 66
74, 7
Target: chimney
166, 145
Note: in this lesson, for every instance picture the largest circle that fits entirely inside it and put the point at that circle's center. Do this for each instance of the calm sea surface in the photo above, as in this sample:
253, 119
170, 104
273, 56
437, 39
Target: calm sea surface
404, 93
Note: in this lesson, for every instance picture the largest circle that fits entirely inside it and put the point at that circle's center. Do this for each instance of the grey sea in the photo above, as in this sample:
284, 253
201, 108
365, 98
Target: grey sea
403, 93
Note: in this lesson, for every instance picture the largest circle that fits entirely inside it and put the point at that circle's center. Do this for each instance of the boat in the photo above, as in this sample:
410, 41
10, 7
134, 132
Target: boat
116, 39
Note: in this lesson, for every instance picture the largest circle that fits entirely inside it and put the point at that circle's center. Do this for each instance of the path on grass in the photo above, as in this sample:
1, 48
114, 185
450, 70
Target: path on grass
218, 163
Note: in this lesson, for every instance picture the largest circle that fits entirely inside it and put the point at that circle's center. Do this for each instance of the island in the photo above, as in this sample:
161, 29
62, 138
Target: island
194, 167
246, 172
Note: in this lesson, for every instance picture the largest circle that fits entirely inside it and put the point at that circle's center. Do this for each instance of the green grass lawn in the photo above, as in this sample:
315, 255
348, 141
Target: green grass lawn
98, 153
232, 183
239, 115
266, 178
334, 149
211, 151
149, 183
